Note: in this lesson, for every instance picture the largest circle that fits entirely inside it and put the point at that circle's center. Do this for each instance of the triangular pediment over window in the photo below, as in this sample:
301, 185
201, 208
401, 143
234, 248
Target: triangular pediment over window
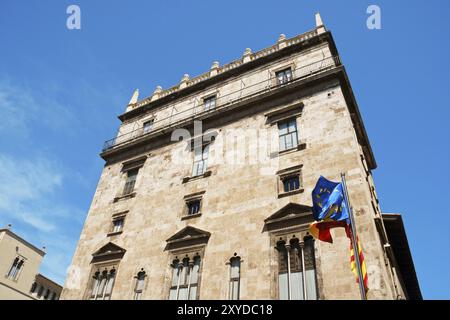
187, 237
109, 251
291, 214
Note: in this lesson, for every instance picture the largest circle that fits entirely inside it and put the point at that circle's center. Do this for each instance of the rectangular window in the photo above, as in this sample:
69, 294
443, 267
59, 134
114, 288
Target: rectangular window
284, 76
200, 160
118, 224
235, 270
148, 126
287, 131
296, 270
209, 103
193, 207
291, 183
185, 276
131, 180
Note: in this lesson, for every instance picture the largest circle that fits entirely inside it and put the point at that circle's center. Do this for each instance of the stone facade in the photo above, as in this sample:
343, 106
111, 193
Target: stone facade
244, 211
19, 265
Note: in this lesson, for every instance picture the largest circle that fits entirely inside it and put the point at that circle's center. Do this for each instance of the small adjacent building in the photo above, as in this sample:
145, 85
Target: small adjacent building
19, 265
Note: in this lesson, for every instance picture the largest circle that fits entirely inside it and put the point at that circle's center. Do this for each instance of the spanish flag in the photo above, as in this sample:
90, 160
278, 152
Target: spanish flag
321, 230
362, 263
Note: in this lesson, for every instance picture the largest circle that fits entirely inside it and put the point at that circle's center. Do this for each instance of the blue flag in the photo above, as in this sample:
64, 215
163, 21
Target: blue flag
329, 202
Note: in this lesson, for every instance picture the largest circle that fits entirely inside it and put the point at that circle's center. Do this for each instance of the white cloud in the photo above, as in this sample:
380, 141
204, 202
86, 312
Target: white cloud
30, 199
22, 109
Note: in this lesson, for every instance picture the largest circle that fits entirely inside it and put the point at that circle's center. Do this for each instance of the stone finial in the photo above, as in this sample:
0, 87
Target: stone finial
215, 65
247, 55
156, 93
185, 77
214, 68
134, 97
281, 37
184, 81
44, 249
9, 226
319, 24
281, 41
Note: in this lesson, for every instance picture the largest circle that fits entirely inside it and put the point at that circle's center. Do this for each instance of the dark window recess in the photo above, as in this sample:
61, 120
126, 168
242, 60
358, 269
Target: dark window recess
131, 180
148, 126
209, 103
291, 183
284, 76
193, 207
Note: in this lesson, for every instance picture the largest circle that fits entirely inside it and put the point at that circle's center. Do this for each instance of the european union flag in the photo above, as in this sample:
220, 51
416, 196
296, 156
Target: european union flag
329, 202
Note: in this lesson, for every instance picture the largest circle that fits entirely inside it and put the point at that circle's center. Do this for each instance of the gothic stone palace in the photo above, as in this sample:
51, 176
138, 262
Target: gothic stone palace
179, 214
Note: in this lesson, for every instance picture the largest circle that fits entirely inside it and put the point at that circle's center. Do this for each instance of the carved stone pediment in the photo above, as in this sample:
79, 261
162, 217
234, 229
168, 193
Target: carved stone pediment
292, 214
109, 251
187, 237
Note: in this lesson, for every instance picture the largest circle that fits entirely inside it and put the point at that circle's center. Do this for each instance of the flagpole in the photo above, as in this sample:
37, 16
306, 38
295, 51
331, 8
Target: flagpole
362, 289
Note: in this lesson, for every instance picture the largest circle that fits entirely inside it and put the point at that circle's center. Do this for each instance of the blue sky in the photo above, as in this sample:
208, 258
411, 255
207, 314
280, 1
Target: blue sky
61, 90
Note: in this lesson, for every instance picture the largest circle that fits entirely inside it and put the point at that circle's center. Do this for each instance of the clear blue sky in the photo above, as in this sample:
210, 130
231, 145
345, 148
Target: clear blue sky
61, 90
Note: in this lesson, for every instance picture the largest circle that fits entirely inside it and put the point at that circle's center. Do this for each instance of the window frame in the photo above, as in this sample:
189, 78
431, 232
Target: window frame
204, 160
130, 182
137, 293
190, 198
95, 284
16, 268
233, 280
285, 78
209, 102
286, 174
187, 284
145, 128
279, 240
293, 135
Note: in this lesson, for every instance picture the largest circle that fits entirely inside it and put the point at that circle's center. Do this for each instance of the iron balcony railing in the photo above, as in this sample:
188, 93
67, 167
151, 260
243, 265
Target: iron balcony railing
197, 109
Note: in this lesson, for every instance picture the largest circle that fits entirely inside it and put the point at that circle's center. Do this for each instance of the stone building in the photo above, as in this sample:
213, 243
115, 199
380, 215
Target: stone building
19, 265
206, 189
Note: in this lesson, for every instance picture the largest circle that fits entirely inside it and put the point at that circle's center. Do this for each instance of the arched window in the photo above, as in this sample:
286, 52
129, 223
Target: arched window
33, 287
102, 284
235, 274
185, 276
296, 269
140, 282
15, 268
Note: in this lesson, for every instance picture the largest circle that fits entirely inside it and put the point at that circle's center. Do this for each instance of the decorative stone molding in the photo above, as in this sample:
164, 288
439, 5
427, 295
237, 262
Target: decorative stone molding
214, 69
281, 41
319, 24
156, 93
247, 56
184, 81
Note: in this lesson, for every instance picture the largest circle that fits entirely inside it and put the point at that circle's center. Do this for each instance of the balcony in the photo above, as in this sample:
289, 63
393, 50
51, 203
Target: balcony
196, 110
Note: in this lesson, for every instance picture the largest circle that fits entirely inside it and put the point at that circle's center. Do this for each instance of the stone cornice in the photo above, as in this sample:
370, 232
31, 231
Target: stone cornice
281, 49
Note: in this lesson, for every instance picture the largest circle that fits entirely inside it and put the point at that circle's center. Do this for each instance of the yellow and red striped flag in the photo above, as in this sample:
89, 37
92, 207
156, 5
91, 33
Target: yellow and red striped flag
363, 264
